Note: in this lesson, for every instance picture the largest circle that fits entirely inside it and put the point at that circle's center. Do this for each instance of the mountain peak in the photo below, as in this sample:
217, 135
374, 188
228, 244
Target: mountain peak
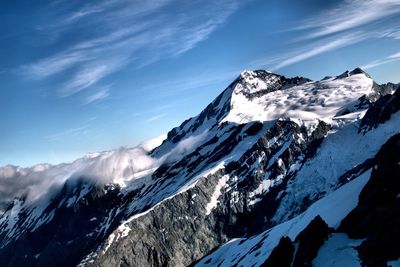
250, 82
261, 95
251, 73
265, 96
358, 70
355, 71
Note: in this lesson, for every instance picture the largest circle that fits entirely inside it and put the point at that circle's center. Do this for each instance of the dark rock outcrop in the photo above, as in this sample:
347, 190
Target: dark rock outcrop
381, 111
353, 72
309, 242
281, 255
174, 233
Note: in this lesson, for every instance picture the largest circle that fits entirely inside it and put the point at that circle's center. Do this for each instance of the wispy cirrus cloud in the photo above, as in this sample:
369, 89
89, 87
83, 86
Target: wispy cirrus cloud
101, 94
395, 56
349, 15
87, 77
156, 117
85, 11
320, 48
308, 50
348, 23
120, 33
175, 87
53, 64
69, 132
379, 62
82, 129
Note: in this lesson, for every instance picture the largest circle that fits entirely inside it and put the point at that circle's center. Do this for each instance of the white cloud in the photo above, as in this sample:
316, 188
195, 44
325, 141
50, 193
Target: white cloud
394, 56
176, 86
87, 77
319, 48
126, 32
53, 64
99, 95
351, 14
41, 182
379, 62
350, 22
184, 147
156, 117
69, 132
395, 34
85, 11
152, 143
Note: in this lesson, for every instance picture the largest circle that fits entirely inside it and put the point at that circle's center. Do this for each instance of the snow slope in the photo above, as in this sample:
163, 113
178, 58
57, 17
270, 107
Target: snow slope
254, 250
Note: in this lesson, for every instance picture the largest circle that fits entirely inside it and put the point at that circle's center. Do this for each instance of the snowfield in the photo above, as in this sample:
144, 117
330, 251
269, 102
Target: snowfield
307, 102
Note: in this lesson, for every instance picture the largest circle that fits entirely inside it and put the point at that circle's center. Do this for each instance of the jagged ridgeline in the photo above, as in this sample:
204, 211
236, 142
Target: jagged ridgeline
276, 171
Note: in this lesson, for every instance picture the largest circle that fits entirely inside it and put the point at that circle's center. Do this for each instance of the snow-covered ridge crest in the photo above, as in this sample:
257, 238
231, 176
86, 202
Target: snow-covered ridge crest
264, 96
252, 81
250, 84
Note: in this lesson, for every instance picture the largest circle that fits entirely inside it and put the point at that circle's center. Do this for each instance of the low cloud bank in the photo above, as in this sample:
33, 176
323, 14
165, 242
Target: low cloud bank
42, 180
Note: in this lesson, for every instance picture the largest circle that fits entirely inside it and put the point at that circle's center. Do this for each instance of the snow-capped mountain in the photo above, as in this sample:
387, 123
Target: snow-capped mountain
275, 171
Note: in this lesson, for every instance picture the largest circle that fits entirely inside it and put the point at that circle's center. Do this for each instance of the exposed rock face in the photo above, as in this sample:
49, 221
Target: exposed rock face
237, 169
307, 244
381, 111
187, 230
310, 240
175, 233
282, 255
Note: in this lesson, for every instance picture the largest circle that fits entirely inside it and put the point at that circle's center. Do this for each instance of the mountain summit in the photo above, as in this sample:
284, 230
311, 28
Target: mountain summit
275, 171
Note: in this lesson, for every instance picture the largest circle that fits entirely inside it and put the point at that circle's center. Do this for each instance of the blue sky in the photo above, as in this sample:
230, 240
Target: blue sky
81, 76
